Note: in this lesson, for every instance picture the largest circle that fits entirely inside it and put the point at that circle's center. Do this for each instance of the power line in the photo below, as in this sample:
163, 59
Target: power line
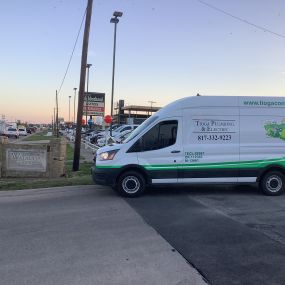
67, 68
241, 20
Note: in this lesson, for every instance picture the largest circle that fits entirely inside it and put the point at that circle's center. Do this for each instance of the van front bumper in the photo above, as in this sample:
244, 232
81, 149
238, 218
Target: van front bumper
104, 176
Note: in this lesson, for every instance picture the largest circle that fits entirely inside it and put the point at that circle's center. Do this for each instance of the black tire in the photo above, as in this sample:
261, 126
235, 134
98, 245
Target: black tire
273, 183
131, 184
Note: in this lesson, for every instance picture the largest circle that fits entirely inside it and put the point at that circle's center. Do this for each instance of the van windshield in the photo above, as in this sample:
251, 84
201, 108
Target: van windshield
141, 128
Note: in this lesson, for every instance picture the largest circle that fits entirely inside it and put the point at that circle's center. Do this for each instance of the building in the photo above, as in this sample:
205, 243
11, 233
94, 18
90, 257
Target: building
132, 114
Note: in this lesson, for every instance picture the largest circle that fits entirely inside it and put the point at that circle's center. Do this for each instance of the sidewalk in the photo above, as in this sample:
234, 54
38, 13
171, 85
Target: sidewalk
87, 155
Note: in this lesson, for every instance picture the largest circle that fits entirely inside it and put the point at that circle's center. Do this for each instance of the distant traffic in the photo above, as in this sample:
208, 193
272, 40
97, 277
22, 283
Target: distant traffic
15, 130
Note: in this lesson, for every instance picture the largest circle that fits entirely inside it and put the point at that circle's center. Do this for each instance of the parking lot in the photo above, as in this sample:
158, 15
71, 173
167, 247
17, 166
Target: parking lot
187, 235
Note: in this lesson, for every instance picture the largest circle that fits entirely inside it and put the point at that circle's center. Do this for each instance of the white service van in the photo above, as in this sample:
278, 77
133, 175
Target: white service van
201, 139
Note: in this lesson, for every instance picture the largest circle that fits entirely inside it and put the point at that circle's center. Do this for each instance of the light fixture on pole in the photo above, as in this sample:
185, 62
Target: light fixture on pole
151, 102
115, 21
88, 65
69, 110
74, 119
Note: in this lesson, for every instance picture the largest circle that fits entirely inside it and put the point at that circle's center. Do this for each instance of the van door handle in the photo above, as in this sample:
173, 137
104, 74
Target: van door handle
175, 151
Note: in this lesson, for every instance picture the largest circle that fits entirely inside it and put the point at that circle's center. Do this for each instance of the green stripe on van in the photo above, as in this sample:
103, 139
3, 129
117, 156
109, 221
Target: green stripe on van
215, 165
219, 165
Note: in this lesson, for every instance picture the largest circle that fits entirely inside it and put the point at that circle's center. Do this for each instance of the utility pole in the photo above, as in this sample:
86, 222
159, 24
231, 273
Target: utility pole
53, 126
77, 143
57, 125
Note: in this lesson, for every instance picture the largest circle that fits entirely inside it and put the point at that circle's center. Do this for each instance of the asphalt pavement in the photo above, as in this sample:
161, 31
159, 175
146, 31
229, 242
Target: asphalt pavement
232, 235
180, 235
83, 235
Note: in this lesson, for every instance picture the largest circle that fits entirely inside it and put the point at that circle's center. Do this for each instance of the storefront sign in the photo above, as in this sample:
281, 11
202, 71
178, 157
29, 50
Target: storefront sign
94, 104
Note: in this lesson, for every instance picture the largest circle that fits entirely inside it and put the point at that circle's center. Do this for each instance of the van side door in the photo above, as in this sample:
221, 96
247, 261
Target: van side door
161, 150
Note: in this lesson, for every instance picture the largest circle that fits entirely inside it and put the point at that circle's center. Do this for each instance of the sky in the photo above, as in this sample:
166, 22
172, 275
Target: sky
166, 50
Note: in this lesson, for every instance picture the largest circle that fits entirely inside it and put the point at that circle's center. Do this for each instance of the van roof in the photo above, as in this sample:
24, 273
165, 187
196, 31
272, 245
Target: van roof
223, 101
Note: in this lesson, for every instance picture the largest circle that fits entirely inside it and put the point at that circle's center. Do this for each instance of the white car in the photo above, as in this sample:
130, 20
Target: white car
11, 133
119, 138
22, 132
123, 129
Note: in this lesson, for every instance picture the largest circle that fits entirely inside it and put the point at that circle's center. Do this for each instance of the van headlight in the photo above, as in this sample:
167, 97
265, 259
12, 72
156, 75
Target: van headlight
107, 155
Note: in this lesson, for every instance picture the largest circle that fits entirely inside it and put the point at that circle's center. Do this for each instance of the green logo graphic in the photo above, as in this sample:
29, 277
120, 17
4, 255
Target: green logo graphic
275, 130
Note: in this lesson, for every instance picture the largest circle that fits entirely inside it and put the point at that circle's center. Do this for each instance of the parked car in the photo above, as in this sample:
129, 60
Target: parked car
124, 128
22, 132
12, 133
101, 134
33, 129
118, 138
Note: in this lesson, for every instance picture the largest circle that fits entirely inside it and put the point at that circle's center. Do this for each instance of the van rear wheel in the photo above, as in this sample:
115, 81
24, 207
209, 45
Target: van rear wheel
273, 183
131, 184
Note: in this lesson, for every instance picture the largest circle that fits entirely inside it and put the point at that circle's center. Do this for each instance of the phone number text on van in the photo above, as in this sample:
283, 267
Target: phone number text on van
214, 137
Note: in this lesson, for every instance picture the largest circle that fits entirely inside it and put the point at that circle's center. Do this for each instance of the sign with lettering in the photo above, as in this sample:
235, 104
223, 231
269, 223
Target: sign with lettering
216, 129
94, 104
26, 160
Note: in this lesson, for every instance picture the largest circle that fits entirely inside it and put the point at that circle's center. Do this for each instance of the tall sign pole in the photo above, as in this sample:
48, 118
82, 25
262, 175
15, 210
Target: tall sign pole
77, 143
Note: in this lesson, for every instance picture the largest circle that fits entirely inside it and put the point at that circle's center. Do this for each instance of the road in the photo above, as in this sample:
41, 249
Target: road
90, 235
83, 235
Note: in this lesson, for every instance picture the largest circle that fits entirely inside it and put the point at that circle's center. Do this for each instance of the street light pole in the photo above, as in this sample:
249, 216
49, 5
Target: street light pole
88, 65
69, 110
115, 21
74, 120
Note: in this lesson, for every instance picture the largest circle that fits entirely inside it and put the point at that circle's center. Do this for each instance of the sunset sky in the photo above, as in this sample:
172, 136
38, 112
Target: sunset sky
166, 50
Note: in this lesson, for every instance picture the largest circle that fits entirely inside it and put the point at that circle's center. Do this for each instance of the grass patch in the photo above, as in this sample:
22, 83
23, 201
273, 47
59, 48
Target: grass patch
69, 152
38, 137
84, 169
12, 184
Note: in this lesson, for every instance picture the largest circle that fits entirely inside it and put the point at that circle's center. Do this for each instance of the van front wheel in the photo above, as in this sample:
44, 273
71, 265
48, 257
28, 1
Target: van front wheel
273, 183
131, 184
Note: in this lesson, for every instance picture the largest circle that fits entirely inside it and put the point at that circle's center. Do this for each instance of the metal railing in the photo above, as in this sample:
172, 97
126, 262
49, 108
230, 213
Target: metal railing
88, 145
